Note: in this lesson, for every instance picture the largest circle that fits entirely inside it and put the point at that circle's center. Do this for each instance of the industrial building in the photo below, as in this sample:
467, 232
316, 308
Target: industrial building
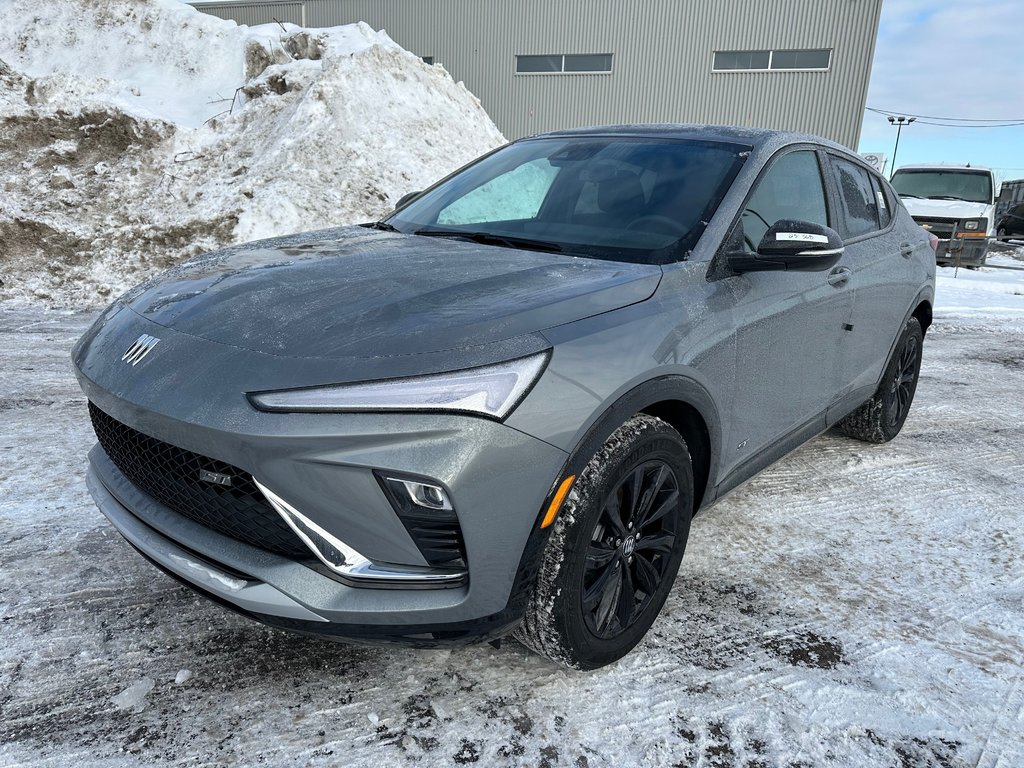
540, 65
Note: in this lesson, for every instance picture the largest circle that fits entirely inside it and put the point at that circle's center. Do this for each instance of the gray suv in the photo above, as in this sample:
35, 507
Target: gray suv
496, 411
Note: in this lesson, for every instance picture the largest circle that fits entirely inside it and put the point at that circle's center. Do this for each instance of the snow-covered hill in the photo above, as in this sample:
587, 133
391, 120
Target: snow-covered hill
135, 133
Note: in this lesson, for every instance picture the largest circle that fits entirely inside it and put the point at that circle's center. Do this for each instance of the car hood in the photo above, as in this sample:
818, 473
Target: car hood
949, 209
357, 292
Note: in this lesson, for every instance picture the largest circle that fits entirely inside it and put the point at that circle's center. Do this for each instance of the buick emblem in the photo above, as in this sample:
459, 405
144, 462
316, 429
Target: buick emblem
142, 347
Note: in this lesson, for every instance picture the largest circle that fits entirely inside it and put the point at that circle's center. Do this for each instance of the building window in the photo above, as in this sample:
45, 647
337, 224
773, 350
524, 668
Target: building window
427, 59
781, 60
570, 62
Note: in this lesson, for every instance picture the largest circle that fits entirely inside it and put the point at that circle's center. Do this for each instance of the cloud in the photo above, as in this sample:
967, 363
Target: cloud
956, 58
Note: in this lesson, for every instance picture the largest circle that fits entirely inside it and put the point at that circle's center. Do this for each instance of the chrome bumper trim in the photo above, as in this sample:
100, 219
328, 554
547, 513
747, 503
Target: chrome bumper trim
351, 566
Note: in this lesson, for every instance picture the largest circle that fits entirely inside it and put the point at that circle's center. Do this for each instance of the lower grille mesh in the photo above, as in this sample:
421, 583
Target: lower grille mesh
171, 476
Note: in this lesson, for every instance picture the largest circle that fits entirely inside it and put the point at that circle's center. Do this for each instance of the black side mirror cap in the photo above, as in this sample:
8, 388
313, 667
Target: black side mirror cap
791, 245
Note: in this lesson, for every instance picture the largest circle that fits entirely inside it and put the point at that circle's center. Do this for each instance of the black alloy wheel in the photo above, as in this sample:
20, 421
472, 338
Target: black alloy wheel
904, 382
615, 548
881, 418
629, 548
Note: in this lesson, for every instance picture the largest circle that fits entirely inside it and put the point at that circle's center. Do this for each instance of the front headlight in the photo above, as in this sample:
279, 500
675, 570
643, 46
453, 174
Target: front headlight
490, 390
974, 225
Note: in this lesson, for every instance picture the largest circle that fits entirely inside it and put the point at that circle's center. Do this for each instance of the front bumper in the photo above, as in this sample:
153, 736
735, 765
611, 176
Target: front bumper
968, 252
264, 592
498, 478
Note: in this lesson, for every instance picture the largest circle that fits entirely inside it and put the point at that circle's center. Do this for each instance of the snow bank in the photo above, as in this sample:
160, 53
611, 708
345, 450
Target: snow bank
136, 133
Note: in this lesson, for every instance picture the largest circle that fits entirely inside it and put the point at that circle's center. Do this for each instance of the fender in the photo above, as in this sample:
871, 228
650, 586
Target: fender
642, 396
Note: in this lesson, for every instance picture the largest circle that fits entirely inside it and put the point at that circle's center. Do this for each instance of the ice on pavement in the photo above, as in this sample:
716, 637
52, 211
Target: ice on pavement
134, 695
135, 133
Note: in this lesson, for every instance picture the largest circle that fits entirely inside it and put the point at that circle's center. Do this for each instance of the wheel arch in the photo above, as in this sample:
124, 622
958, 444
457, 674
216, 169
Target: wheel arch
681, 402
923, 313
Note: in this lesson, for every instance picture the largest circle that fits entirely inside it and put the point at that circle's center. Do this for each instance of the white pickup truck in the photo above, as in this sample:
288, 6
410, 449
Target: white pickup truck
956, 203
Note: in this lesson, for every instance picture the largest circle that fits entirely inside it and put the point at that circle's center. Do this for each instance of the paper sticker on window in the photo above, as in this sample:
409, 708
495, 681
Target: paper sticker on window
881, 199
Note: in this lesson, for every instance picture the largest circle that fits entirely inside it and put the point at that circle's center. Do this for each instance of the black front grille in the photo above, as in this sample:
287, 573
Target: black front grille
942, 228
171, 476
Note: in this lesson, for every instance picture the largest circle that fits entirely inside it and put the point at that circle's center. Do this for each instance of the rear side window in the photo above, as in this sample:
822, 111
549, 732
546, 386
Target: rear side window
791, 189
858, 209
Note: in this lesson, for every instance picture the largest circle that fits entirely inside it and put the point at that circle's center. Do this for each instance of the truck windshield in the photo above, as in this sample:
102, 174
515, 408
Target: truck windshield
973, 186
643, 200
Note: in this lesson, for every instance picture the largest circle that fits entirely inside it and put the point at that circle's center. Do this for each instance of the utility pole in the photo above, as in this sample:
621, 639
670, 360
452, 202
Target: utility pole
899, 122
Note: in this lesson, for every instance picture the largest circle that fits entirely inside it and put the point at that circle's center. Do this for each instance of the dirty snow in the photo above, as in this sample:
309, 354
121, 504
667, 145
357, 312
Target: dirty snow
853, 605
135, 133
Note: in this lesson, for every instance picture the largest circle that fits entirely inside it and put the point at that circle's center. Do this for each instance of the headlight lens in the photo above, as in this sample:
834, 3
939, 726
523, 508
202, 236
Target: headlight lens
974, 225
491, 390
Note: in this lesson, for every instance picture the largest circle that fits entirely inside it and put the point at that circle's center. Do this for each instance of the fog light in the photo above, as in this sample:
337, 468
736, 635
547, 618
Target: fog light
423, 494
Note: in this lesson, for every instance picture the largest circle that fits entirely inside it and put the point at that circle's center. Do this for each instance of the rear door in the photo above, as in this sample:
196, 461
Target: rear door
883, 272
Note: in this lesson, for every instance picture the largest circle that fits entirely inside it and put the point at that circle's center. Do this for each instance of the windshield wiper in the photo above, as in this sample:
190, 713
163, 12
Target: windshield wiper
488, 238
946, 197
907, 194
381, 225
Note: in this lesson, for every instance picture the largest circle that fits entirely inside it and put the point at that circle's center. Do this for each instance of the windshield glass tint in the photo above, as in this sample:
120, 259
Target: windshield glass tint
625, 199
974, 186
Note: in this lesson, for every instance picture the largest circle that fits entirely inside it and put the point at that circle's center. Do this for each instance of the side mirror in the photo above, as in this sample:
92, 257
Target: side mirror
791, 245
406, 199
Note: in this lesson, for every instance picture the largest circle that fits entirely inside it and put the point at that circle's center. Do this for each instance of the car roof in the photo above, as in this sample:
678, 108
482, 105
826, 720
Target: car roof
753, 137
943, 167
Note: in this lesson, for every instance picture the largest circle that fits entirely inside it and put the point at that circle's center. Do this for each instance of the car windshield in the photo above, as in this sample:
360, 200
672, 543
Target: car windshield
643, 200
973, 186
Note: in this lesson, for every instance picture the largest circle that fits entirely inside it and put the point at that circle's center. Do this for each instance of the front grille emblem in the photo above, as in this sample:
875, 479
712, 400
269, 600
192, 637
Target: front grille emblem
142, 347
214, 477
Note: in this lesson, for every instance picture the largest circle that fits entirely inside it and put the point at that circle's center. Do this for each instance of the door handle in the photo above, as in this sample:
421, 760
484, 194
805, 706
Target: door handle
838, 276
906, 250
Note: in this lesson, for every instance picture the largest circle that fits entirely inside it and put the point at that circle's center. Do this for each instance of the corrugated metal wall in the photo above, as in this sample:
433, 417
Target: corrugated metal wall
252, 14
662, 56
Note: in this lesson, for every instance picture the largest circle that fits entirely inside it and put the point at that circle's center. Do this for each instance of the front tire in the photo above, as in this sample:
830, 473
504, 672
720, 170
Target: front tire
615, 548
881, 418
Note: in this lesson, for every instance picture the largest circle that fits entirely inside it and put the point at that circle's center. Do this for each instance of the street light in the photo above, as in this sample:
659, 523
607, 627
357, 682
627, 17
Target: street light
899, 122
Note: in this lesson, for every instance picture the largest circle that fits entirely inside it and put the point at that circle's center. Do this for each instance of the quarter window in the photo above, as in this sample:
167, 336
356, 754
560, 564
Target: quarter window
791, 189
881, 202
856, 199
568, 62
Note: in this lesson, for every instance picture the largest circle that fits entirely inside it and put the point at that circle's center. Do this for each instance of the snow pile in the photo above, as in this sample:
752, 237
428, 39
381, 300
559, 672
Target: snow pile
136, 133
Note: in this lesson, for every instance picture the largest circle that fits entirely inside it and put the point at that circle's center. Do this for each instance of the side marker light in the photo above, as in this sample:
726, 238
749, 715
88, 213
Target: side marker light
556, 503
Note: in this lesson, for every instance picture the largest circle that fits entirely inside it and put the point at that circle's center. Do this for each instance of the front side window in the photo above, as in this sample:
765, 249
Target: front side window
792, 188
856, 199
644, 200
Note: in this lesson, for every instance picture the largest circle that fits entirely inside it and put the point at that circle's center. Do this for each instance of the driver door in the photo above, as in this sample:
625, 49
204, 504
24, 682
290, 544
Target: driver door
790, 325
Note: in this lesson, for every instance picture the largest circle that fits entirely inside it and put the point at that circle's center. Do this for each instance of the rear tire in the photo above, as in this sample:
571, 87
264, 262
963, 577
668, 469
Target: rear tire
615, 548
881, 418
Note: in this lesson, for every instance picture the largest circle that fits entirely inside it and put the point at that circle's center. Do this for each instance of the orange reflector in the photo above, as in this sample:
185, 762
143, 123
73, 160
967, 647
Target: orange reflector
971, 234
556, 503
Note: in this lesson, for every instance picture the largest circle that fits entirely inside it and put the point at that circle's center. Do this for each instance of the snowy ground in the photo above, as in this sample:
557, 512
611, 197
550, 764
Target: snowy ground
854, 605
